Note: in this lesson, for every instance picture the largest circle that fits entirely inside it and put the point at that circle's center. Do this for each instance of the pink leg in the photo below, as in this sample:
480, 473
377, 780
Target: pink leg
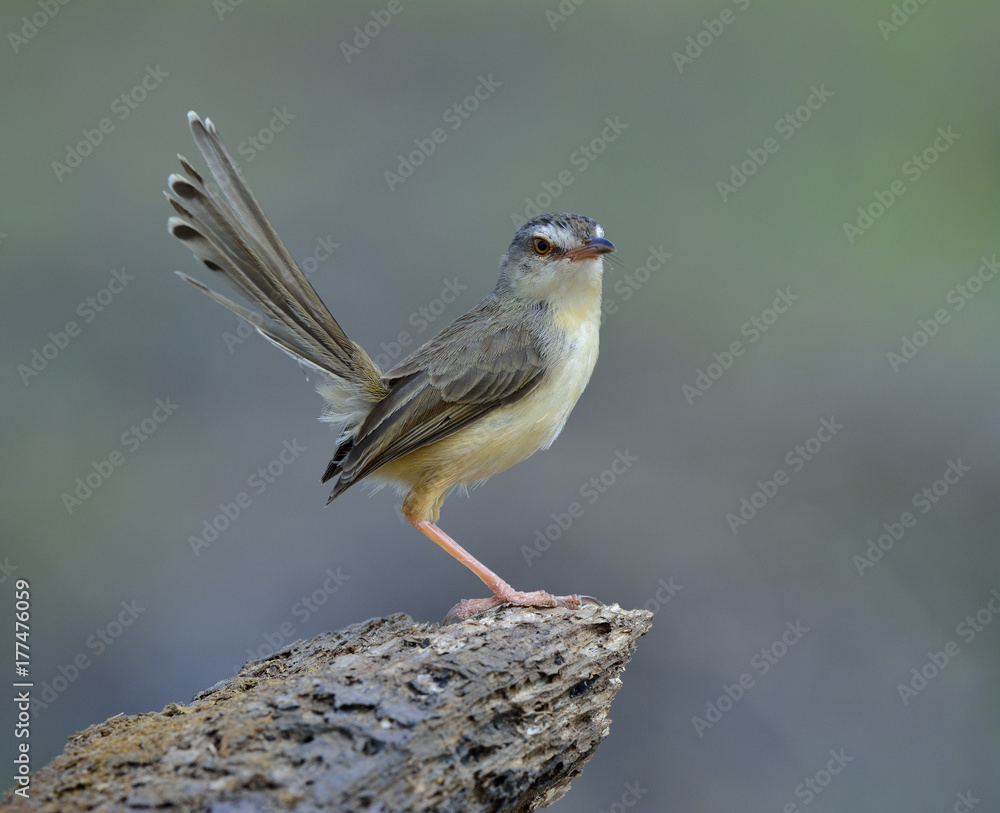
503, 593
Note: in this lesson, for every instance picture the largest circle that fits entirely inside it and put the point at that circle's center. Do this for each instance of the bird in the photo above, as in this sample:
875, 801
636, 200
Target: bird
492, 388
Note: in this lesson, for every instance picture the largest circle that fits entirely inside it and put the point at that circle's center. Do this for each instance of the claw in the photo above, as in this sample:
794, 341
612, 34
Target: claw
469, 607
575, 602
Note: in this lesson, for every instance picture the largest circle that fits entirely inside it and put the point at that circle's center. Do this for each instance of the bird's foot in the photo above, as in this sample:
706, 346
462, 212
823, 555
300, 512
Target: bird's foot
537, 598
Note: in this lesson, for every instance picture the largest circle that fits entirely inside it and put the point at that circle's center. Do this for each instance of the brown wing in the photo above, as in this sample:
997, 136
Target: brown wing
476, 364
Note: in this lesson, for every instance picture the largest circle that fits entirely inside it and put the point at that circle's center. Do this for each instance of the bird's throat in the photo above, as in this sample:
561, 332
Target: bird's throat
578, 305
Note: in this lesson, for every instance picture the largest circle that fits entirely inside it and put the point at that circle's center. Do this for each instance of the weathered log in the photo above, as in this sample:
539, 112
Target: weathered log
498, 713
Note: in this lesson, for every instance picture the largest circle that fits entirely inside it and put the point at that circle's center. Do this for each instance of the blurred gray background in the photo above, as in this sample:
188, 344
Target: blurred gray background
743, 136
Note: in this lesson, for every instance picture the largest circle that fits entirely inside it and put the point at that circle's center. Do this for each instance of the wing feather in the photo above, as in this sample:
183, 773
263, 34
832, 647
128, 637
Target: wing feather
463, 374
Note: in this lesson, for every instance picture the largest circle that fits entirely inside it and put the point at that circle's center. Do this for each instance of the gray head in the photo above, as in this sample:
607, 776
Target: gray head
555, 258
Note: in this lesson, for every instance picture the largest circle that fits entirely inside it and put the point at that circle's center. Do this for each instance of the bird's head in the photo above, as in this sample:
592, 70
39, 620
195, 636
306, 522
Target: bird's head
555, 260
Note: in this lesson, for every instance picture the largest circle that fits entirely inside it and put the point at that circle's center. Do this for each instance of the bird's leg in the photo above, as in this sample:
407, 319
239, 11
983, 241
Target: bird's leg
503, 593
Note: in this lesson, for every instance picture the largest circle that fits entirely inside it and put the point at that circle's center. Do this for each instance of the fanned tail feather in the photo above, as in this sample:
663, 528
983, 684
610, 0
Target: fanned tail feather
230, 234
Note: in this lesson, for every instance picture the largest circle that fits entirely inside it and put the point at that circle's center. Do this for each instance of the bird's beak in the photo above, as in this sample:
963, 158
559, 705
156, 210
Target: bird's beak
594, 247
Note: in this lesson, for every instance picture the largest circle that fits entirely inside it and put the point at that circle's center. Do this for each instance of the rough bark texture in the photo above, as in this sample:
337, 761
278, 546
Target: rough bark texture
497, 713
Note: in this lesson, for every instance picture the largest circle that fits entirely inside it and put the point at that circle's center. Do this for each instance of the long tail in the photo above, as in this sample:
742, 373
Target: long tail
231, 235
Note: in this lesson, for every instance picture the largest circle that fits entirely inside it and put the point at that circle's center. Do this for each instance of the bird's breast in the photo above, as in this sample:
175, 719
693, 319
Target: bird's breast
516, 431
508, 434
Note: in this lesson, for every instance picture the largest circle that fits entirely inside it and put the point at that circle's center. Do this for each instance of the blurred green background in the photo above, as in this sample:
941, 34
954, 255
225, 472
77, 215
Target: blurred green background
854, 99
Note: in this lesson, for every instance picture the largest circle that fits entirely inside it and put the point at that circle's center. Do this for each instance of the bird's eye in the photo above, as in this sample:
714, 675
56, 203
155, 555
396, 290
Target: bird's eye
541, 246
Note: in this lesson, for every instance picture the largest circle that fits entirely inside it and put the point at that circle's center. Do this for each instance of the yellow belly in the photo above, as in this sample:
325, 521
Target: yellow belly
501, 439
